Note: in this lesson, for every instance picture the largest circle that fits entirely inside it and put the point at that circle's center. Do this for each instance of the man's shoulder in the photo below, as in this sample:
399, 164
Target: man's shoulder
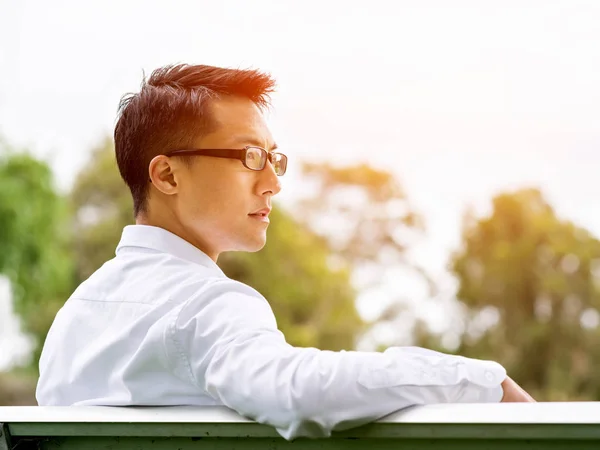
228, 285
160, 279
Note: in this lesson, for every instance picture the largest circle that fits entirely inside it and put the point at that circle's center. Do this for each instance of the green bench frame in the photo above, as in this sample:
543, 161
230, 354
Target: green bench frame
449, 426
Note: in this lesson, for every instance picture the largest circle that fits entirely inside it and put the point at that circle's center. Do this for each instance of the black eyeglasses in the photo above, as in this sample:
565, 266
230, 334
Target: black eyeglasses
253, 158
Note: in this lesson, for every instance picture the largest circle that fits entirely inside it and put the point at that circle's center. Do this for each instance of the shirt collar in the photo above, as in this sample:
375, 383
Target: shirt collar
156, 238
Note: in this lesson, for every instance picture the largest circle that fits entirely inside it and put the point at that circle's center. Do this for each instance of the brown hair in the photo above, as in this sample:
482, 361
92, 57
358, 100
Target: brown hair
170, 112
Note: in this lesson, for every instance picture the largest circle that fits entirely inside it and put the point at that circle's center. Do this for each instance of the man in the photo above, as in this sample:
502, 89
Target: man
160, 324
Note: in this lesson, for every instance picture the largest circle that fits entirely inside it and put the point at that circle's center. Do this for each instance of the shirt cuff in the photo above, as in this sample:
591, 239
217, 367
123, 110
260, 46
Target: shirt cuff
493, 395
489, 375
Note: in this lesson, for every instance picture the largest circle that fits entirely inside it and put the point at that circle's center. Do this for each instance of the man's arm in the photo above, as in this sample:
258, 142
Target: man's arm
236, 354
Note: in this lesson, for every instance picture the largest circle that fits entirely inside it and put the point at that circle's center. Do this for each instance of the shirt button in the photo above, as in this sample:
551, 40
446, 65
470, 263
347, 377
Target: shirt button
489, 376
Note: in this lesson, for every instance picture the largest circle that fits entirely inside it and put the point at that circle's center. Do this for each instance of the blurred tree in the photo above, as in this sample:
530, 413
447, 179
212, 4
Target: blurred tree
367, 220
313, 303
361, 211
33, 242
530, 283
102, 207
17, 389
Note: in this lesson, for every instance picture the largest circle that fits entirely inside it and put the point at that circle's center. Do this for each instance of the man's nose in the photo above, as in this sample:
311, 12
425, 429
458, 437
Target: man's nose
269, 180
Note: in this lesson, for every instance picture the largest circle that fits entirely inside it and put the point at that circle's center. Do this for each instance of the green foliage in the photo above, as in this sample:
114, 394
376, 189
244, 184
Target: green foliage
314, 303
370, 218
540, 276
17, 389
368, 222
33, 241
102, 207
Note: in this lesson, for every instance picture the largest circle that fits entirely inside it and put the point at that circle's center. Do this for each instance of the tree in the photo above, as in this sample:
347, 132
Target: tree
313, 303
34, 232
362, 212
536, 277
102, 207
370, 225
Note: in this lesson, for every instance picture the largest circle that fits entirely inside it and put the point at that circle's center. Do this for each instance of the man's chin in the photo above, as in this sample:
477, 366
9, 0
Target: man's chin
252, 246
257, 247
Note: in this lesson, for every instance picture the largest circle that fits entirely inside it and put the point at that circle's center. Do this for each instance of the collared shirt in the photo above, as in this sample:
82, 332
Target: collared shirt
161, 324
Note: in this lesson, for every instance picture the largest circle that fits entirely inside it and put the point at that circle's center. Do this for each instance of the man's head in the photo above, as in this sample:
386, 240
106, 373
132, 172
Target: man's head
210, 201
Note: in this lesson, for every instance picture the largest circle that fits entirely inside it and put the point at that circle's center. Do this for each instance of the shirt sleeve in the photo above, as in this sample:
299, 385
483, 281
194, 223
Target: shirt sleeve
229, 345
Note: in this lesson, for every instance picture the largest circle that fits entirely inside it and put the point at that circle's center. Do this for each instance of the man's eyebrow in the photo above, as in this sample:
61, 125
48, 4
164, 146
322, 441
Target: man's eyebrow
254, 142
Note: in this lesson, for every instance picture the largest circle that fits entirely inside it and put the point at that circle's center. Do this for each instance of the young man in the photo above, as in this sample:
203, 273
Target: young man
160, 324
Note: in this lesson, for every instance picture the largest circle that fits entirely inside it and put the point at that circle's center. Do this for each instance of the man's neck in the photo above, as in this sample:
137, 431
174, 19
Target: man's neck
175, 227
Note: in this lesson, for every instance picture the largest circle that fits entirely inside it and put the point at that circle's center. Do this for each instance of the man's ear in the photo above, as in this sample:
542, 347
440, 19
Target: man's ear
162, 174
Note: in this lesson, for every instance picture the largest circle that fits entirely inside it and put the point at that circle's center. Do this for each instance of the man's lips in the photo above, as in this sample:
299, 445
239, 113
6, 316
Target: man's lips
261, 213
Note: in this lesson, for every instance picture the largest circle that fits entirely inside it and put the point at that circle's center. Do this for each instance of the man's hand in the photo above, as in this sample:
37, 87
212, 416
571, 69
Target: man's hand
514, 393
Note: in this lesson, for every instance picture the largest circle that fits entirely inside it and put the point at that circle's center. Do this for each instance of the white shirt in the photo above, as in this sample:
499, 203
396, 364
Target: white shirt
161, 324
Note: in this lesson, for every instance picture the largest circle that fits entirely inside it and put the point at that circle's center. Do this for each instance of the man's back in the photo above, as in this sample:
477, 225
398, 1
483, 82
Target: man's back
109, 344
161, 324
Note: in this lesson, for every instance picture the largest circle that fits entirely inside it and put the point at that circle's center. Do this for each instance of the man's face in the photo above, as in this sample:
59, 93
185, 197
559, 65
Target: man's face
217, 197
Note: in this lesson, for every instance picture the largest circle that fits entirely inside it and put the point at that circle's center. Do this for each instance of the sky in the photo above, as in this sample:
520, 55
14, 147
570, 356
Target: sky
462, 99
